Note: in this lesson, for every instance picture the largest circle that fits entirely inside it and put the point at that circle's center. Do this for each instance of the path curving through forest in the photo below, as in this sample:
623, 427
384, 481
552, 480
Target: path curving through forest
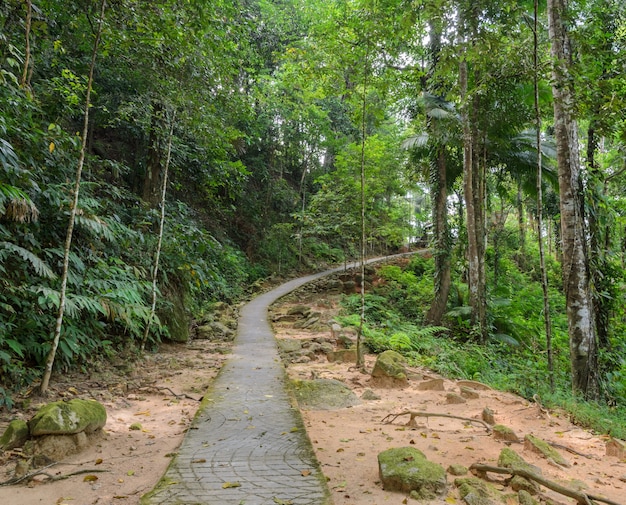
248, 444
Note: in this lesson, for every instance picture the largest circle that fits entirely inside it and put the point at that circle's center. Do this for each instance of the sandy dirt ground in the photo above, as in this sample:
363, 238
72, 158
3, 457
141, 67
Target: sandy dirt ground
162, 393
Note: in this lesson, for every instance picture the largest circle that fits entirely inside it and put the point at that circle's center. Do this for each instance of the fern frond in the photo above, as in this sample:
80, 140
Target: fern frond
37, 263
96, 225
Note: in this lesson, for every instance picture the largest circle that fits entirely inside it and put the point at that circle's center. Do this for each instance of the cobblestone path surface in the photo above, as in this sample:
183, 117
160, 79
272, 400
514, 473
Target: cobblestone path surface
247, 445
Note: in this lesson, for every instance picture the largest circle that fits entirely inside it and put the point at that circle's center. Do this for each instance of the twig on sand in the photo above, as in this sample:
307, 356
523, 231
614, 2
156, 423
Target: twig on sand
389, 418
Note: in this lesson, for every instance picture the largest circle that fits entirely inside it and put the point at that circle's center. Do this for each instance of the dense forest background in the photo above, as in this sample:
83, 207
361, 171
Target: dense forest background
159, 157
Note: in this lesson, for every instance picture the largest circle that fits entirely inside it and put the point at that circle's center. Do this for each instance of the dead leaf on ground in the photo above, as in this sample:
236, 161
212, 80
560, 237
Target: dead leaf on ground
227, 485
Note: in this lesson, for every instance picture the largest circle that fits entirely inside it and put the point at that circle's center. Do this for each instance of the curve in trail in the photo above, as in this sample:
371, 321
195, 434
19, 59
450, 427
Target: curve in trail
247, 444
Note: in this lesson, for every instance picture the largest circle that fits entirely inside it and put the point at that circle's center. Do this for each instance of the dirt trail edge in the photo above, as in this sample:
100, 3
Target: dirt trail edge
247, 444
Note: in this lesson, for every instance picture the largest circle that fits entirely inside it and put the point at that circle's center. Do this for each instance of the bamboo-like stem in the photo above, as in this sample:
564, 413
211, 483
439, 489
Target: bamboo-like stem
73, 209
157, 254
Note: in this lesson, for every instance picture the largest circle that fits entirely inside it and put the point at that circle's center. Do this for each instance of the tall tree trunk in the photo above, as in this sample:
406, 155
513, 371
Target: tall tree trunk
73, 210
582, 335
473, 191
441, 232
439, 190
601, 304
542, 261
157, 253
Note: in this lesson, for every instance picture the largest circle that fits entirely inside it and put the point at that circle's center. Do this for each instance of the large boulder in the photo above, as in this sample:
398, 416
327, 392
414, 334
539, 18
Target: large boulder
390, 370
324, 394
14, 436
406, 469
68, 418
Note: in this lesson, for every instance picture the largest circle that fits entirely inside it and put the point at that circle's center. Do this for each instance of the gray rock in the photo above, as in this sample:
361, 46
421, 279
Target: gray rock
324, 394
342, 356
453, 399
390, 370
406, 469
368, 394
289, 345
431, 385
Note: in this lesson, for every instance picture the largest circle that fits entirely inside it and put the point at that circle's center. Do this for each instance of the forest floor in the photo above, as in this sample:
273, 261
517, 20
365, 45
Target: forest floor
162, 393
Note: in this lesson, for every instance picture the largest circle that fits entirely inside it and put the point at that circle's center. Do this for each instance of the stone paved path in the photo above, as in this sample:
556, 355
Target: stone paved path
247, 445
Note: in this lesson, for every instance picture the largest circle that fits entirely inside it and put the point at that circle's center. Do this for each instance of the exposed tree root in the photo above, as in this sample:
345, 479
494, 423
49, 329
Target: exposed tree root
579, 496
389, 418
52, 478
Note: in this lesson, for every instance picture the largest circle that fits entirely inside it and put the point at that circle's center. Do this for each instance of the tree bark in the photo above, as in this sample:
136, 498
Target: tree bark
152, 181
442, 278
582, 335
439, 190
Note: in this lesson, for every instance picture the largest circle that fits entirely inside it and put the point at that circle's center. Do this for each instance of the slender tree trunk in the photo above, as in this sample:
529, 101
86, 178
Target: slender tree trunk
359, 351
24, 81
152, 180
542, 261
157, 253
582, 335
73, 210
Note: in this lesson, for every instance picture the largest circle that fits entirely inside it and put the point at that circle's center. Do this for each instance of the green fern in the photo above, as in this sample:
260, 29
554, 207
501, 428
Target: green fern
40, 267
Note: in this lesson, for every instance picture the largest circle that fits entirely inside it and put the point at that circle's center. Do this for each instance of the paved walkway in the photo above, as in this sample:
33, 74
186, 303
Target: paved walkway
247, 445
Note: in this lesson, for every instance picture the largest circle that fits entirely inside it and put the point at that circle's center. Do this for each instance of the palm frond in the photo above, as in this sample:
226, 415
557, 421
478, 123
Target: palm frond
418, 141
40, 267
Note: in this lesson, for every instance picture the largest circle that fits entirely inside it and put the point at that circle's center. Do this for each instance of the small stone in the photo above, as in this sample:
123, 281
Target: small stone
539, 446
616, 447
501, 432
469, 393
457, 470
431, 385
368, 394
525, 498
488, 416
135, 427
342, 356
453, 399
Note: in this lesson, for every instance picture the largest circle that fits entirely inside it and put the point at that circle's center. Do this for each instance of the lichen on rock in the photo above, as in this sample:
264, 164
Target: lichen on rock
68, 418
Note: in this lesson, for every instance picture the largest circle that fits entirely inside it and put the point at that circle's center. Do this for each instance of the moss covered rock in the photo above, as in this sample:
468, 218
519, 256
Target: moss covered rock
324, 394
68, 418
501, 432
538, 446
390, 370
406, 469
15, 435
474, 491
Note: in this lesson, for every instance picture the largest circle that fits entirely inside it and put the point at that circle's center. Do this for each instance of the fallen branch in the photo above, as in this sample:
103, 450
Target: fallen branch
17, 480
579, 496
390, 418
71, 474
161, 388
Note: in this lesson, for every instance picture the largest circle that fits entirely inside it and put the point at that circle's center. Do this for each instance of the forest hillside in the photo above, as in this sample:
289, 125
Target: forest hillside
159, 159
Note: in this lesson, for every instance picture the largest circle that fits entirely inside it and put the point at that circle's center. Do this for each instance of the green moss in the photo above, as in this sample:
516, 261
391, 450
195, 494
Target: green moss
15, 435
501, 432
392, 364
475, 491
67, 418
407, 469
546, 450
